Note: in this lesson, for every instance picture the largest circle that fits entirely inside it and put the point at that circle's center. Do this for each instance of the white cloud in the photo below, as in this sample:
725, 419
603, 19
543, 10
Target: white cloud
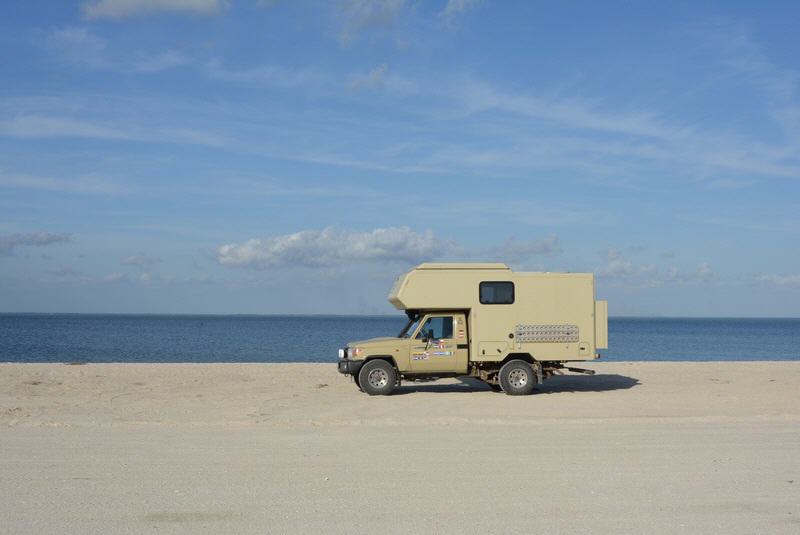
9, 242
118, 9
456, 8
360, 15
328, 247
780, 280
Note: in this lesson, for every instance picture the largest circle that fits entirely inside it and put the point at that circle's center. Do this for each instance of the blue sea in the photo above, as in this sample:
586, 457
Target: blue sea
178, 338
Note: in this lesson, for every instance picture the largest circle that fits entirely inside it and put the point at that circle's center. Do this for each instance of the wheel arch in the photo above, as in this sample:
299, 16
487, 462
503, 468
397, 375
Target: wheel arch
527, 357
387, 358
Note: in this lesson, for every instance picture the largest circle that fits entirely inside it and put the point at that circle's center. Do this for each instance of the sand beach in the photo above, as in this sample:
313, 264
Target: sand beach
652, 447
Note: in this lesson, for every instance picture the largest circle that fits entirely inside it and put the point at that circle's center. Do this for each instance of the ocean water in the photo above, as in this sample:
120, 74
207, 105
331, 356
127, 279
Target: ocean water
168, 338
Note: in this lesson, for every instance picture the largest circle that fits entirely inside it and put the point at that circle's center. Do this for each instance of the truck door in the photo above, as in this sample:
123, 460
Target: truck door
435, 347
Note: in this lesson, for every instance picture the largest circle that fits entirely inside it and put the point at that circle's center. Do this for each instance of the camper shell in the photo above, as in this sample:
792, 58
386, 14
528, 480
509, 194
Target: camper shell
474, 319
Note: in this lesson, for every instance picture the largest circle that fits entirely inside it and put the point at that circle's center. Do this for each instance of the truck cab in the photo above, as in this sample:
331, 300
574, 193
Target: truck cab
511, 330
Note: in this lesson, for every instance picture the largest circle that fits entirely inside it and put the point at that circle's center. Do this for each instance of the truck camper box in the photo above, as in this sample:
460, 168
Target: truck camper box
552, 315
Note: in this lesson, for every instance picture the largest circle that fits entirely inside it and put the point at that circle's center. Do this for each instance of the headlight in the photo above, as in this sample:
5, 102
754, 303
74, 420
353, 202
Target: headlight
342, 353
354, 351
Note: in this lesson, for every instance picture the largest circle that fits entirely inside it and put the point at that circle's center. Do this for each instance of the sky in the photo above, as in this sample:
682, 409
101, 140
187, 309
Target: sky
247, 157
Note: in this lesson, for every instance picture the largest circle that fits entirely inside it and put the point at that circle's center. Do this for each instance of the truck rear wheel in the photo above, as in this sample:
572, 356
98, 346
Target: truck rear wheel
377, 378
517, 378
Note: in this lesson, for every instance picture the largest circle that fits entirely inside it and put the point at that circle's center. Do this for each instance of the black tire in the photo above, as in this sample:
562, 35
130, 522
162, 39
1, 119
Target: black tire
377, 378
517, 378
355, 380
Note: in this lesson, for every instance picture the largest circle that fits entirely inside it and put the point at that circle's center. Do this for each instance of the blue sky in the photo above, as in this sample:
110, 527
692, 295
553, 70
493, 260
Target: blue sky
251, 156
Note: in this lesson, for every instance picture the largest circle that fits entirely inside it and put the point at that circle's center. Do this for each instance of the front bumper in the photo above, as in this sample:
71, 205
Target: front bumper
350, 367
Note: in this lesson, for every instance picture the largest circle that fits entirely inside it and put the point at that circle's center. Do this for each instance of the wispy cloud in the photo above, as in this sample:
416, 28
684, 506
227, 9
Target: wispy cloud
267, 75
45, 126
114, 277
626, 144
162, 61
119, 9
623, 272
478, 96
9, 242
702, 273
514, 250
372, 80
456, 8
331, 247
630, 274
269, 187
86, 184
590, 137
744, 56
780, 280
361, 15
142, 260
618, 268
611, 253
77, 45
32, 126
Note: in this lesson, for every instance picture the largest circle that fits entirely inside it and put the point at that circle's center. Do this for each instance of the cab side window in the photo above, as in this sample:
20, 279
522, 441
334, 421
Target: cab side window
437, 328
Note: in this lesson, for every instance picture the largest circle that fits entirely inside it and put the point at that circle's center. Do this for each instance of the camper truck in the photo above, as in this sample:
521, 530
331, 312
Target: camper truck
511, 330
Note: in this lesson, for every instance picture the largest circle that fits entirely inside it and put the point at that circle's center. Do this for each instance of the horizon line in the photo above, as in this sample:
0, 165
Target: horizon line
323, 314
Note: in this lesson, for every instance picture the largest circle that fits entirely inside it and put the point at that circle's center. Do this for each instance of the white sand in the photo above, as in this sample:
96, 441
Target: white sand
279, 448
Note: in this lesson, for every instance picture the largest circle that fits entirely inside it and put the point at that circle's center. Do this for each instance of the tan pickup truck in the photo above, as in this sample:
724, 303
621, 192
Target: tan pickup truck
511, 330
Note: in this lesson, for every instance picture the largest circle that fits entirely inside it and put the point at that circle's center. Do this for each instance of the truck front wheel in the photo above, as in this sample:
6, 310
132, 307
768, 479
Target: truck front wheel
517, 378
377, 378
355, 380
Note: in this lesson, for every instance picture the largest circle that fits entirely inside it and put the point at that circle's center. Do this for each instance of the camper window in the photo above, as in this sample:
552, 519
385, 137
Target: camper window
496, 293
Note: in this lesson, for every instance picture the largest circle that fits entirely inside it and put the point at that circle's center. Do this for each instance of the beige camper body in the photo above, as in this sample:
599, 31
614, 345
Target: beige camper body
553, 315
511, 330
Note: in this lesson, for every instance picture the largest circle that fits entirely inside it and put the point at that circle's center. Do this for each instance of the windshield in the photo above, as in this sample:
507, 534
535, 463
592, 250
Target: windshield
410, 327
